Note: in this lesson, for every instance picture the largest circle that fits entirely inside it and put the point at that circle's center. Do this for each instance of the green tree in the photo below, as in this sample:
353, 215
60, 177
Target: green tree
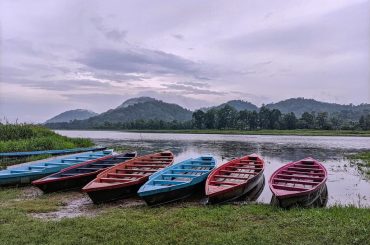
253, 120
226, 117
289, 121
198, 119
264, 117
322, 120
308, 120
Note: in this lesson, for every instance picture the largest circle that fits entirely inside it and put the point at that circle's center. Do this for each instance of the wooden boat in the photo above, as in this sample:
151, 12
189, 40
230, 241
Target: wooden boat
125, 179
234, 179
77, 176
25, 174
50, 152
299, 183
177, 181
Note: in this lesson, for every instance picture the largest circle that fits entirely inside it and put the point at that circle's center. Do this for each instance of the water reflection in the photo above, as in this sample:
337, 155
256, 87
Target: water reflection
346, 186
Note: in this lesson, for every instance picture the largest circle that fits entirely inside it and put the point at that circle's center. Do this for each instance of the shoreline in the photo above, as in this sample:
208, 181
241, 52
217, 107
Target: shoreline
301, 132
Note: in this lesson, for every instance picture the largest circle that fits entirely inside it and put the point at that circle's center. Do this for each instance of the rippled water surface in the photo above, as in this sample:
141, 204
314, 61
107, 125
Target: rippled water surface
346, 184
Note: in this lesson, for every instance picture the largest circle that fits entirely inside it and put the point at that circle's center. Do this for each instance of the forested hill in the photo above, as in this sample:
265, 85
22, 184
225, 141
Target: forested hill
301, 105
67, 116
141, 109
134, 101
146, 112
239, 105
150, 110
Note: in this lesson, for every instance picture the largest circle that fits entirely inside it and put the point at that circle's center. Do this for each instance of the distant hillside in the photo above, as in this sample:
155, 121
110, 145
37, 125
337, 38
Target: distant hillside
134, 101
239, 105
301, 105
143, 108
153, 109
67, 116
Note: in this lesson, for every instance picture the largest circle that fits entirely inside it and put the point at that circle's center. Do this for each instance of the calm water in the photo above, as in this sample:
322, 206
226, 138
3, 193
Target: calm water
346, 184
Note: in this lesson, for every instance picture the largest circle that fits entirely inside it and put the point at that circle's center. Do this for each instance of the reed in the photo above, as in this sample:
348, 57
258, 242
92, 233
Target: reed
29, 137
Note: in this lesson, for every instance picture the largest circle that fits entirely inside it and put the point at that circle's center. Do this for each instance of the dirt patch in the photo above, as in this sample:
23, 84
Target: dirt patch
31, 193
78, 204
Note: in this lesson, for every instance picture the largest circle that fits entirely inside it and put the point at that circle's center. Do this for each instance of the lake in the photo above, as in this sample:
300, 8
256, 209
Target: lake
346, 185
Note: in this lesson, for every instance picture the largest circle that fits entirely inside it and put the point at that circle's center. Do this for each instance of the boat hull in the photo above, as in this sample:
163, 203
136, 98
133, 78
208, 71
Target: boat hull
239, 192
316, 198
50, 152
21, 180
173, 195
66, 184
112, 194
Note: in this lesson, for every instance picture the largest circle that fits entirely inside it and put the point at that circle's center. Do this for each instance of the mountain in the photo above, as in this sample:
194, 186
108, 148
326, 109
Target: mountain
143, 108
135, 101
300, 105
239, 105
67, 116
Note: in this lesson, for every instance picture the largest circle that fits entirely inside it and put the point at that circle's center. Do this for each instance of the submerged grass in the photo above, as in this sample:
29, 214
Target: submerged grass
362, 160
300, 132
181, 224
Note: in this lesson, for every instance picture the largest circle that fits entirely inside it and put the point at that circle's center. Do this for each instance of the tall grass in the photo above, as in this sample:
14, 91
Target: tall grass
29, 137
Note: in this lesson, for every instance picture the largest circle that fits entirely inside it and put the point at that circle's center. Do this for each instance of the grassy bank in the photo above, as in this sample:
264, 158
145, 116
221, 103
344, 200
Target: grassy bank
301, 132
178, 224
28, 137
362, 160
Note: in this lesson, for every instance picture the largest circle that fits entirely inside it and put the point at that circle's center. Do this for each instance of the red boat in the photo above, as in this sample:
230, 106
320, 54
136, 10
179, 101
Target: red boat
125, 179
235, 179
301, 183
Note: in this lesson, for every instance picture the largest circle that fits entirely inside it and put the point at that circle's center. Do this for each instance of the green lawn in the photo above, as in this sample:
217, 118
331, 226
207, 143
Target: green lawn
179, 224
302, 132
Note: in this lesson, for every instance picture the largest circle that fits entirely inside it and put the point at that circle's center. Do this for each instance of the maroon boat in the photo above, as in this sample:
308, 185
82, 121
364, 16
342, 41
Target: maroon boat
235, 179
77, 176
301, 183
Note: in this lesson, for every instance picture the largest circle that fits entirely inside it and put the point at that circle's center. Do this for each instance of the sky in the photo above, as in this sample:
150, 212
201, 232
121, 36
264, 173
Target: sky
67, 54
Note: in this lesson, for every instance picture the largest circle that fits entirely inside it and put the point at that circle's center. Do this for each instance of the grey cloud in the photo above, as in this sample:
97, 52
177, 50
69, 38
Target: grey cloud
191, 89
194, 84
178, 36
105, 101
109, 33
328, 34
139, 60
114, 76
62, 85
17, 45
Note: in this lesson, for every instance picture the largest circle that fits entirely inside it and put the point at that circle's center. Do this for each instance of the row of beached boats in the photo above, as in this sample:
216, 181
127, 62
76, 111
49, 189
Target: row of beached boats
106, 176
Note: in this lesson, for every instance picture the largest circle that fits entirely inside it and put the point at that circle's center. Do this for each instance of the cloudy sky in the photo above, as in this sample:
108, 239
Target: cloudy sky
67, 54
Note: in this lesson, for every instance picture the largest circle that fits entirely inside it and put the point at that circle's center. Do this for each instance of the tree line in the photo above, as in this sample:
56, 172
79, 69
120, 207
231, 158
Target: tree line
228, 117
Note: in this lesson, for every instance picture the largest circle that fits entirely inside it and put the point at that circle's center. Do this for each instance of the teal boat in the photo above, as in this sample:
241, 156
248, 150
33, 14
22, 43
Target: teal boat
50, 152
25, 174
177, 181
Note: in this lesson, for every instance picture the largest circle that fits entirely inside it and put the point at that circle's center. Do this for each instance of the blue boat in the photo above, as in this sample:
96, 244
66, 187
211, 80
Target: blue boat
50, 152
177, 181
25, 174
